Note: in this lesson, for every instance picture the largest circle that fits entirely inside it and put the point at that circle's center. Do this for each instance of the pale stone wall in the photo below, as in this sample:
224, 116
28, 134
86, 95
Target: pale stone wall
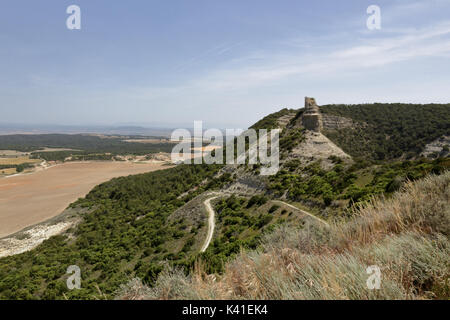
312, 122
311, 118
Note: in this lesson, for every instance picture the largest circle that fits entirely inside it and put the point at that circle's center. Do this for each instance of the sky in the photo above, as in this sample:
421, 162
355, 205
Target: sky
227, 63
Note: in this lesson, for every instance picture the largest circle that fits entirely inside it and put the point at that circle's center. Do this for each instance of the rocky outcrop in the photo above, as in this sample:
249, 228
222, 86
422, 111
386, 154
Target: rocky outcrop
437, 148
330, 122
315, 147
283, 121
311, 118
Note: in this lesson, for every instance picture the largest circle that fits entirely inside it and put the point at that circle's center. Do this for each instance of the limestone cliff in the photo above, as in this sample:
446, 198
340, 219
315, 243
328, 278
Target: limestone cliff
315, 145
311, 118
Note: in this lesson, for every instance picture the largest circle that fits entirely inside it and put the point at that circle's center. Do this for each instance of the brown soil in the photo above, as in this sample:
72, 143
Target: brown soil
29, 199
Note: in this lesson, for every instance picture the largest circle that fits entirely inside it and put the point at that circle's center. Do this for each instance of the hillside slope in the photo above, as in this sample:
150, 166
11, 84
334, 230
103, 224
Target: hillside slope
124, 231
386, 131
406, 236
143, 226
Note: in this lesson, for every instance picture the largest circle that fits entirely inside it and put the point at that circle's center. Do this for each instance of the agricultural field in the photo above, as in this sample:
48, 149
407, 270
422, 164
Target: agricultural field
11, 163
7, 171
29, 199
11, 153
17, 160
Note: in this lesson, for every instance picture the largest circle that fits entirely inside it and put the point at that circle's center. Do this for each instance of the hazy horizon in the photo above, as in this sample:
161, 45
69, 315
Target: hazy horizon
225, 63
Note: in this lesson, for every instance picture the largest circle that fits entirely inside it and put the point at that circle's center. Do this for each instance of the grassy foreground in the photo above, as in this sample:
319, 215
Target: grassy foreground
406, 236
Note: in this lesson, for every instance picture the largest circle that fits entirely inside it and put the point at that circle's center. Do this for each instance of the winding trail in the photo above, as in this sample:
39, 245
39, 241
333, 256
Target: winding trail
211, 223
302, 211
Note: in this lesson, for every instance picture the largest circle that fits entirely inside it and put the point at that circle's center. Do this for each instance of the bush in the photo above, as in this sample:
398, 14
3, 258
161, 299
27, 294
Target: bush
387, 131
406, 236
258, 200
274, 208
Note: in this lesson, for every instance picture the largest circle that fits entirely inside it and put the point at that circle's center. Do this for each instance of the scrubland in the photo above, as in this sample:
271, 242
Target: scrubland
406, 236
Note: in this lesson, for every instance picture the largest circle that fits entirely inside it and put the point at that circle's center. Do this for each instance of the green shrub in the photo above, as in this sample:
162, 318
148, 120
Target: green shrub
274, 208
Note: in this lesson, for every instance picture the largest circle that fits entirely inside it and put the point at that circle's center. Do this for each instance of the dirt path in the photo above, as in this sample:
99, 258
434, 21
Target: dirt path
302, 211
211, 223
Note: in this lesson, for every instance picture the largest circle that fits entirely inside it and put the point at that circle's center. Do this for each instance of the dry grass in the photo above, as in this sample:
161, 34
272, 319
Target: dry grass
8, 171
18, 160
407, 236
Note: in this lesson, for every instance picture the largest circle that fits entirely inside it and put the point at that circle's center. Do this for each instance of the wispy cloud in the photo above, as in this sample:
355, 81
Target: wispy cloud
337, 59
211, 52
430, 41
271, 67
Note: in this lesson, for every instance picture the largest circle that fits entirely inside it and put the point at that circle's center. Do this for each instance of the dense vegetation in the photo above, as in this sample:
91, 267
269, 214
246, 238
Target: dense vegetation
18, 167
73, 155
124, 233
345, 185
270, 121
90, 143
406, 236
389, 131
240, 224
127, 230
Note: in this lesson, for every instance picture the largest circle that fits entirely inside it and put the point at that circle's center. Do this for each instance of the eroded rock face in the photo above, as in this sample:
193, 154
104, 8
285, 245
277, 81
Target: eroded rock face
330, 122
311, 118
315, 147
437, 148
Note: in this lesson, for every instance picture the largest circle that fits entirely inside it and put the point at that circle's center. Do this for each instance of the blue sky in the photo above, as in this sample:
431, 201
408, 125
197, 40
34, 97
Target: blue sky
226, 62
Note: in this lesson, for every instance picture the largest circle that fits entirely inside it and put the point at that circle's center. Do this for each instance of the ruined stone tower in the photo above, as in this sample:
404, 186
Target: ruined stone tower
311, 118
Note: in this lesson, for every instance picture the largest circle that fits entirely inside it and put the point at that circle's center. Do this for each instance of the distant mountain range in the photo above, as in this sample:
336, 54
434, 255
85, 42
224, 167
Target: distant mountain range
6, 129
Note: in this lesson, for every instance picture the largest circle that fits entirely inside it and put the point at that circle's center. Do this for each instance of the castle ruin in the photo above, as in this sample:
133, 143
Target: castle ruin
311, 118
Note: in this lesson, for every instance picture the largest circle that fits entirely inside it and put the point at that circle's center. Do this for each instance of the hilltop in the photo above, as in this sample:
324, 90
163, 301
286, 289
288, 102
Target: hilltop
144, 226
